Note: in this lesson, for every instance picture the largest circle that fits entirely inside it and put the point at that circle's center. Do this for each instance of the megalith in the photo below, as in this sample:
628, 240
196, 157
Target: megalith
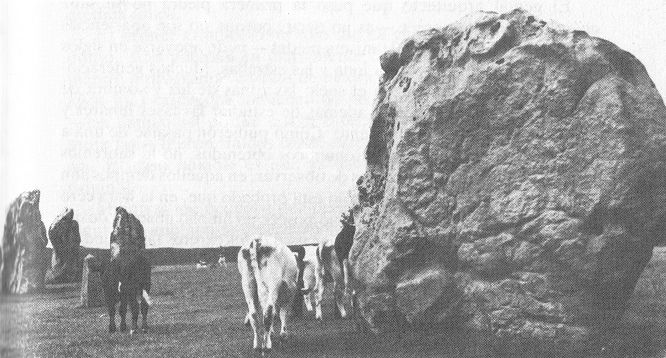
515, 182
24, 256
65, 239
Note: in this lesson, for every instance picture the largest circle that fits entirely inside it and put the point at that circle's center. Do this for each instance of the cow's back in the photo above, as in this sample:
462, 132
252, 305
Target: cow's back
270, 262
329, 262
277, 263
344, 241
132, 270
309, 267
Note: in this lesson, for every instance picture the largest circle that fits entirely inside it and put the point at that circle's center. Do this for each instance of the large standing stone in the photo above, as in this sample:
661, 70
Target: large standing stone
24, 256
92, 293
65, 239
516, 181
127, 231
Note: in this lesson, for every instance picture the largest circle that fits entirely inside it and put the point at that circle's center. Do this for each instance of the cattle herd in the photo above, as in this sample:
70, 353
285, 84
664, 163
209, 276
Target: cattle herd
273, 277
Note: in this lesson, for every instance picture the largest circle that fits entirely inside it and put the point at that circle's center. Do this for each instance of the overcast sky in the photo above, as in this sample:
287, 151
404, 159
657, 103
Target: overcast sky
212, 122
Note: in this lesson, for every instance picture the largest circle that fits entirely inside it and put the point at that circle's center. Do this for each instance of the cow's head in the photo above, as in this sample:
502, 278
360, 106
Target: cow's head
347, 218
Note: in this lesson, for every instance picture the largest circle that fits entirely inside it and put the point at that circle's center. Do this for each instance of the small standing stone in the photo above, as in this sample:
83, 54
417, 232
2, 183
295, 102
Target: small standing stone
92, 294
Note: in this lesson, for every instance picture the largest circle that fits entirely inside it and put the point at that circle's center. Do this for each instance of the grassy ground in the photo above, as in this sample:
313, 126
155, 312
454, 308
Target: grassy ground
200, 314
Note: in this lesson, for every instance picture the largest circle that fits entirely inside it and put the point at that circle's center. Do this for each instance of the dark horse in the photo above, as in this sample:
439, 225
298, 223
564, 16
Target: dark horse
125, 278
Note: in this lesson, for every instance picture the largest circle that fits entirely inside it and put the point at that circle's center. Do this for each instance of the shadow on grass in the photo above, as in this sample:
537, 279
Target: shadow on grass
57, 289
621, 341
444, 343
159, 329
170, 328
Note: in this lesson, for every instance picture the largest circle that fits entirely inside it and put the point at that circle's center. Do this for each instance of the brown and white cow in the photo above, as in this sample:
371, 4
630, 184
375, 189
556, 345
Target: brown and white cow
310, 267
330, 268
269, 275
333, 266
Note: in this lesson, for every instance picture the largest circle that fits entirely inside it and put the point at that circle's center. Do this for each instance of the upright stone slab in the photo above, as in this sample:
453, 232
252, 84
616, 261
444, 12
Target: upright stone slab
92, 294
65, 239
515, 182
24, 257
127, 231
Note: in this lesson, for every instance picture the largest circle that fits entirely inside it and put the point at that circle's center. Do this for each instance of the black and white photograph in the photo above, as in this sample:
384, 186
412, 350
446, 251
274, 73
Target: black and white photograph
334, 179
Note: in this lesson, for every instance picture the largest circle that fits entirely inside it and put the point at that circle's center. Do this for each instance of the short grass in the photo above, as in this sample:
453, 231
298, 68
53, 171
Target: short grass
199, 313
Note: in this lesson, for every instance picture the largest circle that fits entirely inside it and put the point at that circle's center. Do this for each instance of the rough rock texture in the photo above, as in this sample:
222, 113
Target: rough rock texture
92, 294
23, 253
127, 231
515, 183
65, 239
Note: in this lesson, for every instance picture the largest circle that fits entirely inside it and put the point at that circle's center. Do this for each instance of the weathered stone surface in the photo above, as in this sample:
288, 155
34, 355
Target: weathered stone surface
516, 181
127, 231
65, 239
24, 257
92, 293
390, 62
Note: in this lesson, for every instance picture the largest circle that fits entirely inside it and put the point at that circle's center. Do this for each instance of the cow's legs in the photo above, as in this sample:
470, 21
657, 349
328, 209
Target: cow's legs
297, 305
283, 323
253, 316
336, 309
111, 305
144, 315
319, 295
345, 273
254, 319
122, 310
256, 322
350, 295
309, 298
134, 305
338, 295
269, 313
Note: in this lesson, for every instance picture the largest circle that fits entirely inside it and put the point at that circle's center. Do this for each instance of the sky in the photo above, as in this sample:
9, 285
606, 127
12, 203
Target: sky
216, 121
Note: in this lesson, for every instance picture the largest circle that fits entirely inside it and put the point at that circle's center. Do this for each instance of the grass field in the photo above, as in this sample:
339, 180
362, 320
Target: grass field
200, 314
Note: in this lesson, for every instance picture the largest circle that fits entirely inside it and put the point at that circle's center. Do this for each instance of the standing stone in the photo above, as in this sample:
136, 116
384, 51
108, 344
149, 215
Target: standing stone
127, 231
92, 294
65, 239
515, 182
24, 256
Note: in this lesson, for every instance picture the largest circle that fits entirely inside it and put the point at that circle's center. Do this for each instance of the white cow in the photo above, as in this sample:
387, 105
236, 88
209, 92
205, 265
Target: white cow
269, 275
222, 261
331, 269
310, 267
